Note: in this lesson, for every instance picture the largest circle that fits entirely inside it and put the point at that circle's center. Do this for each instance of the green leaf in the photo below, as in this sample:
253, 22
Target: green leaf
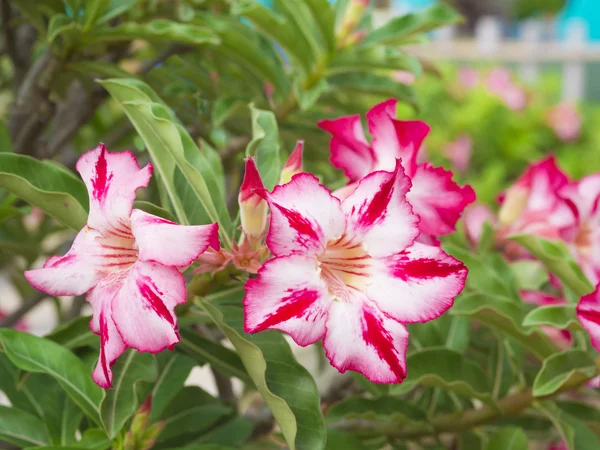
570, 366
459, 334
161, 30
356, 59
265, 146
21, 428
173, 370
557, 258
562, 317
583, 437
530, 275
6, 212
46, 185
308, 98
75, 334
39, 355
287, 387
401, 29
59, 24
94, 439
557, 417
508, 439
177, 159
151, 208
506, 316
302, 23
132, 374
472, 440
370, 84
448, 370
397, 410
19, 394
92, 12
338, 440
233, 432
324, 17
115, 8
5, 139
205, 350
192, 413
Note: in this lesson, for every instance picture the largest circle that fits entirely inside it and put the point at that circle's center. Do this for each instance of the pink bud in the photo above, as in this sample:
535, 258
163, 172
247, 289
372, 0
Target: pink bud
293, 165
253, 208
459, 152
404, 77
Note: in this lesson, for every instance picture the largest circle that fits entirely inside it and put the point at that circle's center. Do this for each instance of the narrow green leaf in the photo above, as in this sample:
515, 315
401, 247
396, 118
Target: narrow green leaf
448, 370
161, 30
46, 185
204, 350
234, 432
324, 16
114, 9
508, 439
338, 440
20, 396
357, 59
92, 12
505, 316
21, 428
132, 374
401, 29
383, 408
265, 146
583, 437
562, 317
557, 417
566, 367
94, 439
75, 334
557, 258
286, 386
39, 355
302, 23
59, 24
173, 370
370, 84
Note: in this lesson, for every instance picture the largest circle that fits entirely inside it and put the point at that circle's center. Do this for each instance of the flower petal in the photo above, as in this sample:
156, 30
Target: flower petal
361, 338
143, 308
111, 180
588, 313
111, 344
169, 243
350, 149
289, 296
583, 196
542, 180
438, 200
304, 216
378, 215
393, 138
474, 219
71, 274
416, 285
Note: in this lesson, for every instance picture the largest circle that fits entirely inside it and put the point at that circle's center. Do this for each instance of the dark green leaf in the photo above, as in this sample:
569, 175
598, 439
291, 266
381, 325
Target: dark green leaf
583, 437
39, 355
530, 275
21, 428
556, 416
132, 374
265, 146
115, 8
338, 440
173, 370
459, 334
570, 366
161, 30
508, 439
92, 12
75, 334
286, 386
46, 185
324, 16
562, 317
399, 411
151, 208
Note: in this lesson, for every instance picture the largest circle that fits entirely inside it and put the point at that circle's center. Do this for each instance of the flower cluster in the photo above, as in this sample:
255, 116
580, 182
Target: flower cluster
351, 267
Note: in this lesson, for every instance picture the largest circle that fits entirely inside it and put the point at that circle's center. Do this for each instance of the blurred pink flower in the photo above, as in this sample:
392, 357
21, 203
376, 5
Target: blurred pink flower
459, 152
20, 325
468, 77
565, 121
474, 217
404, 77
500, 83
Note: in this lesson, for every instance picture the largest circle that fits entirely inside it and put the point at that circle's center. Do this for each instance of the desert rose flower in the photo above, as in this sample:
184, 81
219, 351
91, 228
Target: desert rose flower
588, 313
127, 261
583, 237
501, 84
468, 77
293, 165
474, 219
434, 196
350, 272
565, 121
253, 208
459, 152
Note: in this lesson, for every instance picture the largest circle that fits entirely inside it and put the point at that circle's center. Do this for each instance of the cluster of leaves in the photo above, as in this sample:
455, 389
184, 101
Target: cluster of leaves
485, 374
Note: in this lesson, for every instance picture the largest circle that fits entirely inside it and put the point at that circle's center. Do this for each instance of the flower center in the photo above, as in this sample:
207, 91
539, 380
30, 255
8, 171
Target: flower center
583, 239
344, 266
117, 250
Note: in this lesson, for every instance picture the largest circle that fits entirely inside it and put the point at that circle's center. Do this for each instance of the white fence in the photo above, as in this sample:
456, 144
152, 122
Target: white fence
531, 49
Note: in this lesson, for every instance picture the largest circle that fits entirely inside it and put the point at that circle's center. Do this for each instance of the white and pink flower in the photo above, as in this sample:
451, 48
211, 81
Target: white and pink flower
350, 272
435, 197
127, 261
500, 83
565, 121
459, 152
588, 313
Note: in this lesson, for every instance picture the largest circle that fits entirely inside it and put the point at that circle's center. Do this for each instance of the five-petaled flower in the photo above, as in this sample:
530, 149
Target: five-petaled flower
350, 272
434, 196
127, 261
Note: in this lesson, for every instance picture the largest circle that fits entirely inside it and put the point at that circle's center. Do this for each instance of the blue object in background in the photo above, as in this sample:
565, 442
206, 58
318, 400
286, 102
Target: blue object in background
587, 10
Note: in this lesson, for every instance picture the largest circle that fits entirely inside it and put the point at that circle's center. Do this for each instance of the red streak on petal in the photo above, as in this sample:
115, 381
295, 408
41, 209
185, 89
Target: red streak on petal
151, 295
403, 267
103, 343
102, 178
293, 307
376, 209
593, 316
294, 162
299, 223
378, 337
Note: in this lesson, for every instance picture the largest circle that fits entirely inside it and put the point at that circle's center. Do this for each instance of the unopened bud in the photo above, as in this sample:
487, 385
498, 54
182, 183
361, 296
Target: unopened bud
293, 165
253, 208
352, 17
142, 418
151, 435
513, 205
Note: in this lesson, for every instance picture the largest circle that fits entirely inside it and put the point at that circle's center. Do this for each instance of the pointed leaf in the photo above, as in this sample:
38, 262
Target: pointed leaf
508, 439
570, 366
161, 30
387, 408
265, 146
21, 428
75, 334
562, 317
557, 417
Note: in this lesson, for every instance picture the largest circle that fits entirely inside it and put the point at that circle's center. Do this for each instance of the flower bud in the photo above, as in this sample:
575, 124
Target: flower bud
293, 165
514, 203
253, 208
351, 18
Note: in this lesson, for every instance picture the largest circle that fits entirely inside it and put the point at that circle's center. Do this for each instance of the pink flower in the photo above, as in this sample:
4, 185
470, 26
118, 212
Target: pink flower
350, 272
459, 152
468, 77
404, 77
293, 165
127, 261
474, 218
583, 236
501, 84
588, 313
533, 205
565, 121
435, 197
